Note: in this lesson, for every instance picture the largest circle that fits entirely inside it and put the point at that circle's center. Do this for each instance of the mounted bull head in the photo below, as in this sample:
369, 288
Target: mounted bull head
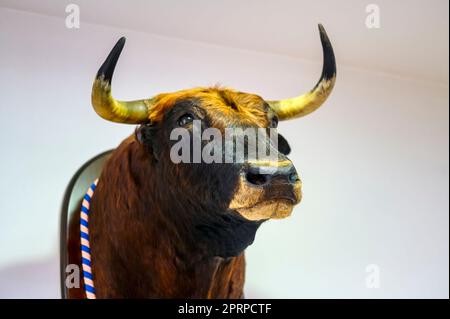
194, 210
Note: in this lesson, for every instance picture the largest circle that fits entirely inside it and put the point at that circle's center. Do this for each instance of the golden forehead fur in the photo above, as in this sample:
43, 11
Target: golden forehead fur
223, 105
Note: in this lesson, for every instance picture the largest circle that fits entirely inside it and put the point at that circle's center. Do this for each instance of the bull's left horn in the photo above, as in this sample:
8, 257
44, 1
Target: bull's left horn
130, 112
311, 101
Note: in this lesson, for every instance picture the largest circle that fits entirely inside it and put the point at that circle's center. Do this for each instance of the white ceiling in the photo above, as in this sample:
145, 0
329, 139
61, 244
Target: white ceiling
412, 40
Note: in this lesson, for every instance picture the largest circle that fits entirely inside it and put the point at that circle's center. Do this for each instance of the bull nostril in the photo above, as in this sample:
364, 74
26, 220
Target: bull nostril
293, 178
256, 179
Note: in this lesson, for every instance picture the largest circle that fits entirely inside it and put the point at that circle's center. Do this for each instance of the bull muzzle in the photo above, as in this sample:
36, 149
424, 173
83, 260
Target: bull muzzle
267, 190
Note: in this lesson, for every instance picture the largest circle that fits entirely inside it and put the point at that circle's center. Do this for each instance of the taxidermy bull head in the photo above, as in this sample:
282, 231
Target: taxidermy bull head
169, 222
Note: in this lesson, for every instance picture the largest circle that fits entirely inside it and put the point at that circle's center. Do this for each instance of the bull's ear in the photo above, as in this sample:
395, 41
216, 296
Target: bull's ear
283, 145
145, 134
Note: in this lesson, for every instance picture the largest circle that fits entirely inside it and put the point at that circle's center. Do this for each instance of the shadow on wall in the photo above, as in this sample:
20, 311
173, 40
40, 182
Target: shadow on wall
32, 279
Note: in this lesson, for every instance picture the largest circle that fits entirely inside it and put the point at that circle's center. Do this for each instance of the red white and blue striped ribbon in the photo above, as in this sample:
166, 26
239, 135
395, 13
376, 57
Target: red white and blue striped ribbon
88, 277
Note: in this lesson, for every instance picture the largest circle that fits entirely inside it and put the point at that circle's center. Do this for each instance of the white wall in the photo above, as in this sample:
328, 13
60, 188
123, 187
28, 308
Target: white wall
374, 160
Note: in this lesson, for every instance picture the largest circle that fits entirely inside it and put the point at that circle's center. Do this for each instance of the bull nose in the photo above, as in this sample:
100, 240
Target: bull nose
266, 173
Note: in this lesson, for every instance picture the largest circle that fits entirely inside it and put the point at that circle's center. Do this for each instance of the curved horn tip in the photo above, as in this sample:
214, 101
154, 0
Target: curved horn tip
329, 66
323, 33
107, 69
321, 28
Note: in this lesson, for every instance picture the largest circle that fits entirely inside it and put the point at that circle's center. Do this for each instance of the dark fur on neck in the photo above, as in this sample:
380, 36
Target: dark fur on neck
147, 241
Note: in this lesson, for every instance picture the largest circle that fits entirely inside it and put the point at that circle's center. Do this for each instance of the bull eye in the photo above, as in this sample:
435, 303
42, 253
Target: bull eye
185, 119
274, 122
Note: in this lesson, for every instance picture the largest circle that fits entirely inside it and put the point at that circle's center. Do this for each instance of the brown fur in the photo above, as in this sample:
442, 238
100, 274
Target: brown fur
167, 270
228, 106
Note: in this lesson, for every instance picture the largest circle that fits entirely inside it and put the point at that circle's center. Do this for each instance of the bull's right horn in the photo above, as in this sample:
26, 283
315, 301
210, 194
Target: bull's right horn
130, 112
311, 101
